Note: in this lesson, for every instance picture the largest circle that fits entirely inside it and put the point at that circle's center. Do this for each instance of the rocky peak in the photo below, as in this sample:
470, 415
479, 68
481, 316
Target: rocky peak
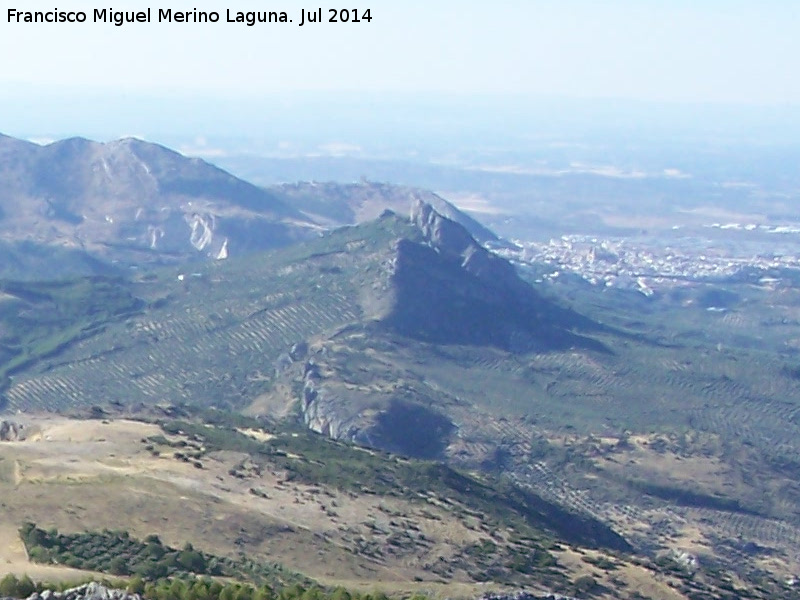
453, 241
449, 289
441, 232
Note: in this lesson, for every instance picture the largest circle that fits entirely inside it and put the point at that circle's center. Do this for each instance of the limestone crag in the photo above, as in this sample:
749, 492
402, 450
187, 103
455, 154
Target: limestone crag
11, 431
526, 596
454, 241
326, 413
89, 591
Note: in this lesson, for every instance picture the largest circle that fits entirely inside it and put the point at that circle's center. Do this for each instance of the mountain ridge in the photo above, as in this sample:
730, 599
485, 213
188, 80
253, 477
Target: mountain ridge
135, 202
338, 204
130, 203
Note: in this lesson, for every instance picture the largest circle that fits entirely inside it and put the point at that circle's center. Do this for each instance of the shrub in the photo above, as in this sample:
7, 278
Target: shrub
25, 587
8, 586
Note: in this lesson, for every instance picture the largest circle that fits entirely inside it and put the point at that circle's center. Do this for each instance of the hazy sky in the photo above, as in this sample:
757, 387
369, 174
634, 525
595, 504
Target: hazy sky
663, 50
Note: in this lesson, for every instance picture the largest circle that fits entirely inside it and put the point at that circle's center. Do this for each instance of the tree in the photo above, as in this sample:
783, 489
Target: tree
155, 550
118, 566
25, 587
227, 592
151, 570
266, 593
39, 554
585, 584
340, 594
292, 592
177, 589
33, 536
8, 586
136, 585
214, 590
313, 593
150, 590
191, 560
199, 590
244, 593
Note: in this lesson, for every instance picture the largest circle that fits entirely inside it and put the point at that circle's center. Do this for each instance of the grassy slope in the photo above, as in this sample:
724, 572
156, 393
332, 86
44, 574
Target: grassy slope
366, 533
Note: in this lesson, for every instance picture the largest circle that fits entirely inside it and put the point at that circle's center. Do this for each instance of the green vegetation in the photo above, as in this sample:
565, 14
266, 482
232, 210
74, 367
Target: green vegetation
196, 588
12, 587
39, 319
117, 553
220, 337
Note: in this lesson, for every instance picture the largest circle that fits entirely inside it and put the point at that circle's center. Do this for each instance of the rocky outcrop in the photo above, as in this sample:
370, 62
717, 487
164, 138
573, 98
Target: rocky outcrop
410, 427
89, 591
448, 289
11, 431
526, 596
455, 242
440, 231
326, 413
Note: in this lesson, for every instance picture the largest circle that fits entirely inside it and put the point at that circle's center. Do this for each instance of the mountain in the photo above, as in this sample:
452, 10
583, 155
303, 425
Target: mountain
86, 208
674, 428
338, 204
450, 289
134, 203
390, 276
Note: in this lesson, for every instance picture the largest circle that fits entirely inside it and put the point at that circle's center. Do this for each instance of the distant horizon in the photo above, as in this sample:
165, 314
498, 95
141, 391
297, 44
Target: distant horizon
450, 70
356, 118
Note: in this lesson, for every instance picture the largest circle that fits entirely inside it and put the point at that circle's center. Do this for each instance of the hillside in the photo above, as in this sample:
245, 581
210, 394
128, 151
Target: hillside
371, 335
204, 333
134, 202
277, 506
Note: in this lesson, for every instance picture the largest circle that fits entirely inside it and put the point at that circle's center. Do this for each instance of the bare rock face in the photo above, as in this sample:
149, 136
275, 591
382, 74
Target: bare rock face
442, 232
88, 591
454, 241
11, 431
374, 419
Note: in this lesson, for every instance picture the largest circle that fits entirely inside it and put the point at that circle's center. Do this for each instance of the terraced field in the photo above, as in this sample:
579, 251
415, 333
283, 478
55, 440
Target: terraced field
184, 359
717, 394
203, 339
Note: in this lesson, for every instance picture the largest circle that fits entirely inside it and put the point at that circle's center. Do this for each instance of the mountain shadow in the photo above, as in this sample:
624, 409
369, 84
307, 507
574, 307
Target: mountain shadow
450, 290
